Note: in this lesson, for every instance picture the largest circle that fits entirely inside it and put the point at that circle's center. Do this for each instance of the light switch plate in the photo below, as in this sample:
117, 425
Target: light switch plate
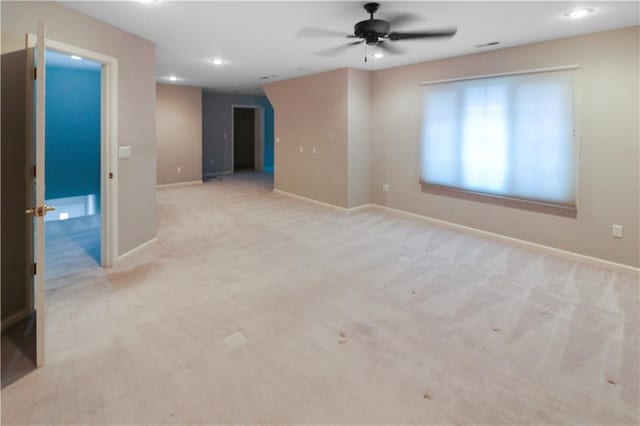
124, 151
616, 231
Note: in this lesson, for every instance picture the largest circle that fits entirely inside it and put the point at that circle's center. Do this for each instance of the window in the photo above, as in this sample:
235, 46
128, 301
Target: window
507, 136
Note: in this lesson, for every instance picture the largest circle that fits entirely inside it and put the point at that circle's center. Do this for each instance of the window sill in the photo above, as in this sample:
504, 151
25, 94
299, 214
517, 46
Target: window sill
511, 202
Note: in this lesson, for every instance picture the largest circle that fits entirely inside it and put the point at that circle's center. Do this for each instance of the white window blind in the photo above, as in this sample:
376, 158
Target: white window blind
510, 136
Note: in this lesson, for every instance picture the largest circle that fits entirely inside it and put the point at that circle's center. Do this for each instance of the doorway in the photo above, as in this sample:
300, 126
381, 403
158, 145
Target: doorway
72, 166
248, 138
24, 185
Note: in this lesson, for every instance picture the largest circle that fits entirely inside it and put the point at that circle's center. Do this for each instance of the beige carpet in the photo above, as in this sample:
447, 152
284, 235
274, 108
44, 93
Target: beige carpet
253, 307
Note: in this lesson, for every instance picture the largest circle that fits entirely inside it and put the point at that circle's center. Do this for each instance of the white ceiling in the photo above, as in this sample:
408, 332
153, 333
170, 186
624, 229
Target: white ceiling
259, 38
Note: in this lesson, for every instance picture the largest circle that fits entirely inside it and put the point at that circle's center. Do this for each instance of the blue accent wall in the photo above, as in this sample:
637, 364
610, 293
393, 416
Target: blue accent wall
72, 132
269, 132
216, 122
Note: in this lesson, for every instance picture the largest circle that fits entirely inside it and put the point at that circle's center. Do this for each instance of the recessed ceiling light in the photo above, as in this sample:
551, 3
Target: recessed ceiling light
148, 1
378, 55
173, 78
217, 61
76, 57
579, 13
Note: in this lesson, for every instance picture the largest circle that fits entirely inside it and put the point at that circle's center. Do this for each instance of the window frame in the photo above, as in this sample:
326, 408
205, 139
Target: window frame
511, 201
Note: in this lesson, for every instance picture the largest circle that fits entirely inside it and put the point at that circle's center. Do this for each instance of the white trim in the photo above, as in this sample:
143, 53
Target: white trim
41, 45
16, 318
135, 249
361, 207
177, 184
322, 203
214, 174
539, 247
67, 48
504, 74
529, 244
300, 197
108, 143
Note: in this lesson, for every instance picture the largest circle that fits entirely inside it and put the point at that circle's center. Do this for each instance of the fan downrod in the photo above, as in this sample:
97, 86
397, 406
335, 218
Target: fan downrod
371, 8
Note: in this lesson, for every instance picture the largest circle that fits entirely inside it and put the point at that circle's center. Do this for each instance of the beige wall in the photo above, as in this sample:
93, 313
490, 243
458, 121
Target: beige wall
359, 144
312, 111
608, 185
136, 101
179, 133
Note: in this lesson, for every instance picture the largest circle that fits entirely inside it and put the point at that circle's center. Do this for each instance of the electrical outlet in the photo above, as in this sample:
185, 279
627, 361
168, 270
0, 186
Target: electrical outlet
301, 149
616, 231
277, 139
385, 187
315, 151
179, 169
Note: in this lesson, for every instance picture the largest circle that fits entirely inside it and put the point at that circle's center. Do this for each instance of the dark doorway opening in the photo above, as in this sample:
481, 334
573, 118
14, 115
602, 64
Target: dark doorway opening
244, 136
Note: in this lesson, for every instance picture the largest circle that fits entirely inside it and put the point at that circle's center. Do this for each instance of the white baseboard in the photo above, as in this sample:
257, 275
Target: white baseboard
15, 318
311, 200
174, 185
322, 203
211, 175
362, 207
135, 249
523, 243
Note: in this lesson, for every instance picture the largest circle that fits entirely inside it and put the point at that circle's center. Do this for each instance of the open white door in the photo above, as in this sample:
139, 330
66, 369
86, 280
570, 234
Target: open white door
36, 208
39, 208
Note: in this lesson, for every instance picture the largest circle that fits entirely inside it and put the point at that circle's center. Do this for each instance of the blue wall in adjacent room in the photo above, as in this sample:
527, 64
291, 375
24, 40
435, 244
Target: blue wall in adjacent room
217, 122
72, 138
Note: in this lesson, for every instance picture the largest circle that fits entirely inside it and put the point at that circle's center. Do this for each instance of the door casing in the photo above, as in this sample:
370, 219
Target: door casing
108, 162
108, 144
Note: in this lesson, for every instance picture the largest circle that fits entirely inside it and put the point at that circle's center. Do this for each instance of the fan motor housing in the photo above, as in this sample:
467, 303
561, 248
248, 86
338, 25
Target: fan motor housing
370, 29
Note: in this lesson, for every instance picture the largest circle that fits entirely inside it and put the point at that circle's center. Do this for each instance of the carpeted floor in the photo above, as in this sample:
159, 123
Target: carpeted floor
253, 307
18, 350
72, 246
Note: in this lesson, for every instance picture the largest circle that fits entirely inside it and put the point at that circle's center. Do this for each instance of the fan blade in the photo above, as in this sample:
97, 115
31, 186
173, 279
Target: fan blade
387, 47
425, 34
313, 32
402, 19
333, 51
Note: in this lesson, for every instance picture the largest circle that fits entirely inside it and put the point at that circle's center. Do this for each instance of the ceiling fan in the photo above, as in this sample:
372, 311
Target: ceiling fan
376, 32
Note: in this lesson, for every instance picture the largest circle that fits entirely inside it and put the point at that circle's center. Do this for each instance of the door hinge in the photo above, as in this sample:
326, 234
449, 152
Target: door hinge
35, 73
34, 171
35, 268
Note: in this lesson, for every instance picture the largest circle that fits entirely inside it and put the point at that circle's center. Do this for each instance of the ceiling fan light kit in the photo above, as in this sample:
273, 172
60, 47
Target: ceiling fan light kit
376, 32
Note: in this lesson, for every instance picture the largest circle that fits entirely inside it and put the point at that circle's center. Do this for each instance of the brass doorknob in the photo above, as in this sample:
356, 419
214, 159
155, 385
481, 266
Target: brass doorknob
40, 210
